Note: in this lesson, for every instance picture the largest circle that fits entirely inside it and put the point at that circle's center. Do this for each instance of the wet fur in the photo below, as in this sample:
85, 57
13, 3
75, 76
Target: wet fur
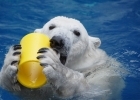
88, 73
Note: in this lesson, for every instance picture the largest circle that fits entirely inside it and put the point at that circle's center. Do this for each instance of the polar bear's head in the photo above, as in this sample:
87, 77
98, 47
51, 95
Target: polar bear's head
69, 37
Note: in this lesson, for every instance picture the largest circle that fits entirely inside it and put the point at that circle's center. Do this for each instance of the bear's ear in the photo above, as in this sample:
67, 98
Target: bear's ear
38, 30
95, 41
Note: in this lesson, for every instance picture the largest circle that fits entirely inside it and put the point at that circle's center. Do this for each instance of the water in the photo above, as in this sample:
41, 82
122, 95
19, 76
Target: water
115, 22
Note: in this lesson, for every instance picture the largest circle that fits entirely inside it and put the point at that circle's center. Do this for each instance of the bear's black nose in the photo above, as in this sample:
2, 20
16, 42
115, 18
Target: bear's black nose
57, 42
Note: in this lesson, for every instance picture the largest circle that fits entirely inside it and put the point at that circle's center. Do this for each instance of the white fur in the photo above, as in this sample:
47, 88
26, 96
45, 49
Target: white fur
88, 73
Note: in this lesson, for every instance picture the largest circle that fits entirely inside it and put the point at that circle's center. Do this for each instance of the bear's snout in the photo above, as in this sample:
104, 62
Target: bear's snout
57, 42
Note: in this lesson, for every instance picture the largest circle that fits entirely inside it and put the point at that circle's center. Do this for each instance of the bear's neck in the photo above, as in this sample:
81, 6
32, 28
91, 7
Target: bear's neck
88, 60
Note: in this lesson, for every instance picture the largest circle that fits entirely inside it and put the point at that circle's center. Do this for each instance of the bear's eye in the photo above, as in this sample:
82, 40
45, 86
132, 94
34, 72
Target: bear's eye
76, 33
52, 27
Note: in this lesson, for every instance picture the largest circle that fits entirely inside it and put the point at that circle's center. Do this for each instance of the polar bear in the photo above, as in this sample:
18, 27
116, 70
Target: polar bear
74, 65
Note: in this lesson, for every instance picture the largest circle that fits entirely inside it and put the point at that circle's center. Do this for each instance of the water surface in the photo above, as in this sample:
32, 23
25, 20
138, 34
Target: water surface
115, 22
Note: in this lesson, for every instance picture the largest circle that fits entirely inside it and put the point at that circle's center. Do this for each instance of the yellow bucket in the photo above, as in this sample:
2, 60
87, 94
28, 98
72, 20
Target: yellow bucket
30, 72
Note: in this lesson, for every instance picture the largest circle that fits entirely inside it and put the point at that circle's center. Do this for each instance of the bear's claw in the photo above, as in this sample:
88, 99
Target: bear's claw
42, 50
13, 62
16, 53
40, 56
43, 64
16, 47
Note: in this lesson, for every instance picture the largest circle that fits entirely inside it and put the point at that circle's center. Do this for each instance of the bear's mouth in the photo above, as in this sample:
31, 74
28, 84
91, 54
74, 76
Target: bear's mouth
63, 59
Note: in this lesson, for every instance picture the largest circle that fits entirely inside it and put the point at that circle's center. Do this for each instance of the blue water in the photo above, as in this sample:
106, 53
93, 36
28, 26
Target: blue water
115, 22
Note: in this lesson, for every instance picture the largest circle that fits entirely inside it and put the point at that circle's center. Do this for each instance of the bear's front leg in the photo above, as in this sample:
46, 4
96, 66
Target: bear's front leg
64, 81
8, 79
